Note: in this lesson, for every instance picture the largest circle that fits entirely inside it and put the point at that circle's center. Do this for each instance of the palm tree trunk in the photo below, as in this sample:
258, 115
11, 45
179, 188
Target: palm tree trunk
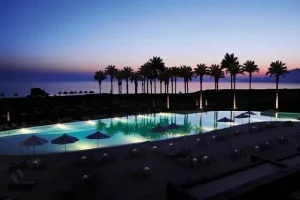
154, 85
231, 80
99, 88
175, 84
127, 85
277, 80
160, 84
147, 86
200, 103
136, 87
234, 98
111, 85
151, 86
187, 86
172, 84
250, 79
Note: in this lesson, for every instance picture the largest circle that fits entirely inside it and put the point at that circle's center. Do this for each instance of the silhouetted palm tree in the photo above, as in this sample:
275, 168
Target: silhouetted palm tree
175, 74
235, 70
166, 74
161, 80
111, 71
119, 76
157, 65
232, 66
228, 63
145, 70
201, 70
277, 69
217, 72
135, 78
186, 73
250, 67
100, 76
127, 73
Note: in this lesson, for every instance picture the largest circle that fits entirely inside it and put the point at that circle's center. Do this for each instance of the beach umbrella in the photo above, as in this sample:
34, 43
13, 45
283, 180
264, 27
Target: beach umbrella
91, 92
75, 92
33, 141
249, 113
225, 120
85, 92
2, 95
16, 95
80, 92
65, 93
97, 136
64, 140
59, 93
242, 116
71, 92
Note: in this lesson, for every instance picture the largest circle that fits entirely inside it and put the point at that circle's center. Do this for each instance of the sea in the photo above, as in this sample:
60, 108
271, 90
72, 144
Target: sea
23, 88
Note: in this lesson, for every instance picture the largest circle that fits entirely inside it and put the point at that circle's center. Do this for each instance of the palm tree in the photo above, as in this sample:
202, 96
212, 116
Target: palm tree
175, 74
161, 79
157, 65
145, 71
166, 75
217, 72
135, 77
186, 73
250, 67
201, 70
119, 76
232, 66
127, 72
228, 63
235, 70
100, 76
111, 71
277, 69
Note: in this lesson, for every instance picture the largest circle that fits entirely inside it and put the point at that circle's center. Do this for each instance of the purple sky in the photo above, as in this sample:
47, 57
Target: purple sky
80, 37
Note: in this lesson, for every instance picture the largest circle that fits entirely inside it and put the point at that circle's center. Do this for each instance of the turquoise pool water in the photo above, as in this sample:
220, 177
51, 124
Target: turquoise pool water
123, 130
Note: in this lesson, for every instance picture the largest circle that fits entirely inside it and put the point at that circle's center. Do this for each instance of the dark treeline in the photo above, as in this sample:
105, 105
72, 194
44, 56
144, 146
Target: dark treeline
94, 106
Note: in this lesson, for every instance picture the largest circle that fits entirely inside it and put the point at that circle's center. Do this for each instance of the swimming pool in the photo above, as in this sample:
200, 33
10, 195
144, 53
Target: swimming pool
123, 130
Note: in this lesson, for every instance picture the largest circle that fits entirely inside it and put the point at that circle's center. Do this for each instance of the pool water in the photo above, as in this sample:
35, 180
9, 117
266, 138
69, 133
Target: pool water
123, 130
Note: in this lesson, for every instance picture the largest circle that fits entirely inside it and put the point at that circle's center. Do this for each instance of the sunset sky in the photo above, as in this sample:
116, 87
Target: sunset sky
81, 36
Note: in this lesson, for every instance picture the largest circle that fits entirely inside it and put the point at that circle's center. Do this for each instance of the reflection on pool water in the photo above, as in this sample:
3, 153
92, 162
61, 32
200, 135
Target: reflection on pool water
123, 130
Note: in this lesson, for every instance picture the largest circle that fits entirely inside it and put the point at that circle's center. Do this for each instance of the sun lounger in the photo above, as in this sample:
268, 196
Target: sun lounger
177, 153
287, 123
83, 160
136, 152
237, 153
142, 172
21, 183
282, 140
106, 159
21, 165
20, 175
